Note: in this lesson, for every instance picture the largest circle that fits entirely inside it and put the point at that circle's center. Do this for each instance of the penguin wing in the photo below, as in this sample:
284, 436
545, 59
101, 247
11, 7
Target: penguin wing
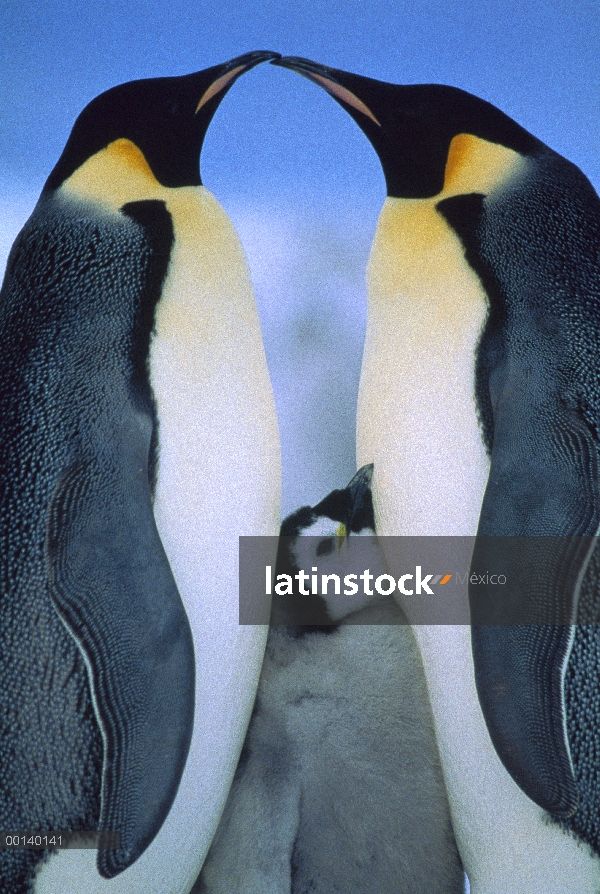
543, 485
112, 585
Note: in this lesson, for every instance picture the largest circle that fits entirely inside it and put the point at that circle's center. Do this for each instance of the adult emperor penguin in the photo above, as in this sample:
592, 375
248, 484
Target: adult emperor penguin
479, 405
339, 786
139, 439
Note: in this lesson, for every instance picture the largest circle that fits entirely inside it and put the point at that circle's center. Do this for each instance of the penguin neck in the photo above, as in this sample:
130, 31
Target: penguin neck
417, 418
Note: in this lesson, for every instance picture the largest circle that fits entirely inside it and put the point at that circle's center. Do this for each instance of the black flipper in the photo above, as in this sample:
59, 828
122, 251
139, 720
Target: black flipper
112, 585
542, 487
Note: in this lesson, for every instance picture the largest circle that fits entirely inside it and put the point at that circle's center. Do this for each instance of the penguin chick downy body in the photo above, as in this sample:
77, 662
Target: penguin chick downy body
339, 786
138, 440
479, 405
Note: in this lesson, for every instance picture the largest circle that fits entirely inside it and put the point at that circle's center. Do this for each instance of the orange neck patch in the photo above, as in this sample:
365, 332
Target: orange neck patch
127, 152
475, 165
460, 149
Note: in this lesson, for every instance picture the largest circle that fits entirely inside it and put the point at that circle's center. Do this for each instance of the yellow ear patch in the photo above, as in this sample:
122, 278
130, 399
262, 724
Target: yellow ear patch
128, 153
114, 176
474, 165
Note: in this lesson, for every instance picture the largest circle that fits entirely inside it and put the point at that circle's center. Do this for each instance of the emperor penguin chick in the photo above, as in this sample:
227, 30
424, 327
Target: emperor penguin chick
480, 406
339, 786
138, 441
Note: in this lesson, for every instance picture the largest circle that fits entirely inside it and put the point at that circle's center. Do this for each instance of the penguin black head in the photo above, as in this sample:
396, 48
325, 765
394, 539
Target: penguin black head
165, 118
413, 128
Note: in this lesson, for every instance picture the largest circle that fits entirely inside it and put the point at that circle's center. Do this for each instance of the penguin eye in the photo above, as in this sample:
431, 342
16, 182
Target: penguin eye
325, 547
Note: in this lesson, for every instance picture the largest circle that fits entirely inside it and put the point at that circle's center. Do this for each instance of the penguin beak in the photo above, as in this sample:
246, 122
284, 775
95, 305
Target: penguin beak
229, 72
214, 83
360, 492
329, 79
360, 506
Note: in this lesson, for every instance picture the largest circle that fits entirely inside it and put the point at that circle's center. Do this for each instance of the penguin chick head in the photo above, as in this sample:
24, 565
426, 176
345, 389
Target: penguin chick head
166, 119
324, 537
430, 138
339, 514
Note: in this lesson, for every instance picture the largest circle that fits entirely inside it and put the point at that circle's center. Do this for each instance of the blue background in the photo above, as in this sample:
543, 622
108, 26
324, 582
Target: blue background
296, 175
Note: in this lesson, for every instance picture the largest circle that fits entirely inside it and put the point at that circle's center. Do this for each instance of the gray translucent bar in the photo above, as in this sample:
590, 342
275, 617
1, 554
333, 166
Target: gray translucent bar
429, 580
60, 840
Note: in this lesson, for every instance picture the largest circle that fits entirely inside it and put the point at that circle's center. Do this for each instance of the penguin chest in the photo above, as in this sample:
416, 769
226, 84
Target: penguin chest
218, 466
417, 418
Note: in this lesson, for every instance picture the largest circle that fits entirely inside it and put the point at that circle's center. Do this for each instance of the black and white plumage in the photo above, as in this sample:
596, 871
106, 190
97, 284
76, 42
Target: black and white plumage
480, 407
339, 786
131, 358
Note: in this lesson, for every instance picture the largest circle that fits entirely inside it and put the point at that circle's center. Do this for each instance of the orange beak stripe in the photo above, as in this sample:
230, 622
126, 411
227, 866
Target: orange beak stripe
219, 85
